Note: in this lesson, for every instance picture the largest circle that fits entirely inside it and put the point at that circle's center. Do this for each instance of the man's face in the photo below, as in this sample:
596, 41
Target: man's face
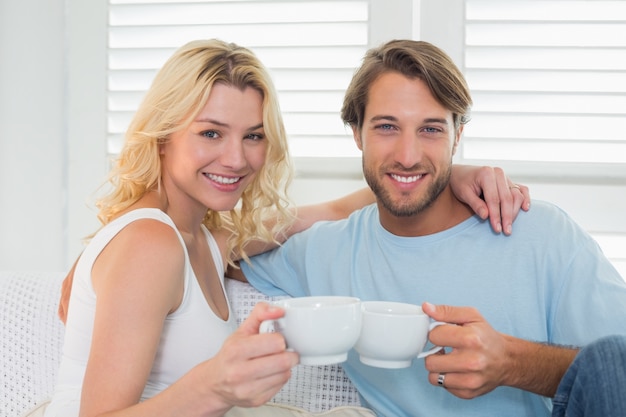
408, 140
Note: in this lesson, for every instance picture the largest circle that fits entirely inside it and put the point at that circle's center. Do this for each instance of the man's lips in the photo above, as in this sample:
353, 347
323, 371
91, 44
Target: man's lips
406, 179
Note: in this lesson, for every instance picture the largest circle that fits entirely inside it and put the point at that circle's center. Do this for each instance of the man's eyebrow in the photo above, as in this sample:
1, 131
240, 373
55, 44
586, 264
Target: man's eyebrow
436, 120
395, 119
383, 117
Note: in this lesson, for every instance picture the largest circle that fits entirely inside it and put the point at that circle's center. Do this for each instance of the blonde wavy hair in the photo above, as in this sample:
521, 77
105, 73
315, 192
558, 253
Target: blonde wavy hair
178, 93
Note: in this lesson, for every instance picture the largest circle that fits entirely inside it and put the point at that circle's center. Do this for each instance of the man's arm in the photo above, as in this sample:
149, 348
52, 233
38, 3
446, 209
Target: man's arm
483, 359
235, 273
502, 201
489, 192
486, 190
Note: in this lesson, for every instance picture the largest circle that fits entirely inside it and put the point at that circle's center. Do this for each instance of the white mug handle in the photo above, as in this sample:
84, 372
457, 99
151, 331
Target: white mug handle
271, 326
267, 326
436, 348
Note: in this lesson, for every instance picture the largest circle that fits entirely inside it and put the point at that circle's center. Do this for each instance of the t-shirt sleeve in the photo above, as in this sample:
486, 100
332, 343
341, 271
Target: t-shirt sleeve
280, 271
592, 300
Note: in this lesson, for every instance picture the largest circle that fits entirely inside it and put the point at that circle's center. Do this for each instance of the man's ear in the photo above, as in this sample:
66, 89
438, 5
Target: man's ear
356, 133
457, 139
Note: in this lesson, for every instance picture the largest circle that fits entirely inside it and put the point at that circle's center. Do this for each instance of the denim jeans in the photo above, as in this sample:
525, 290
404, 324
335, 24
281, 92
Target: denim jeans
595, 383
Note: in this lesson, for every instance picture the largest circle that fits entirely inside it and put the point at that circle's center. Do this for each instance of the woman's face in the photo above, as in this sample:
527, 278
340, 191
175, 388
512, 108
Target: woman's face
210, 163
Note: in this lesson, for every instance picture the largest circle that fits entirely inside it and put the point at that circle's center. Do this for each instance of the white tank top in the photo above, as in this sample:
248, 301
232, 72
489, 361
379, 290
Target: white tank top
191, 334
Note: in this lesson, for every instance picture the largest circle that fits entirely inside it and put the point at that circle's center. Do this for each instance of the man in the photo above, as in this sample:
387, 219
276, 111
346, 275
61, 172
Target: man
545, 287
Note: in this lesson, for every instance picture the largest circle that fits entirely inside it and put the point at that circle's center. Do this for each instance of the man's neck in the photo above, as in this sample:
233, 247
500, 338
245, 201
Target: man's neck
444, 213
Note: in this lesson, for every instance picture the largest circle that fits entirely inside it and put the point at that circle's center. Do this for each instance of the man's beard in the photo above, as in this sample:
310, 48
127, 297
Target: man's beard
406, 207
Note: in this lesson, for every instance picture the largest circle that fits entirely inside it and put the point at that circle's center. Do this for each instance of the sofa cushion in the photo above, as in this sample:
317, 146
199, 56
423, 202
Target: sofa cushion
314, 388
31, 339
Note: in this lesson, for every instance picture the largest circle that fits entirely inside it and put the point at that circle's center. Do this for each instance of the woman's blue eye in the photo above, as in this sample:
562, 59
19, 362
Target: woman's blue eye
212, 134
255, 136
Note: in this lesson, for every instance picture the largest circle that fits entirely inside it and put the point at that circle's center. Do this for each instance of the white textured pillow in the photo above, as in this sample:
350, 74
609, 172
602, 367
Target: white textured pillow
31, 339
314, 388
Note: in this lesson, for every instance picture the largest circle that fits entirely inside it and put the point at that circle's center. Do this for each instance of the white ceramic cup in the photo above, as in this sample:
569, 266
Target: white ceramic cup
321, 329
393, 334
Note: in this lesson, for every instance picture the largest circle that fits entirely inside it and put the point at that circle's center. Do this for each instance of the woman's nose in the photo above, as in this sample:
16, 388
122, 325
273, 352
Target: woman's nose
233, 155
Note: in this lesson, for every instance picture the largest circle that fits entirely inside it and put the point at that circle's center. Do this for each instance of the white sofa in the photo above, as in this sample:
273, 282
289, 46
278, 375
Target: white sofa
31, 340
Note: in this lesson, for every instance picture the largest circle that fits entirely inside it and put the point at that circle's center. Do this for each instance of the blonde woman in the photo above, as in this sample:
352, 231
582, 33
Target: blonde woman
149, 331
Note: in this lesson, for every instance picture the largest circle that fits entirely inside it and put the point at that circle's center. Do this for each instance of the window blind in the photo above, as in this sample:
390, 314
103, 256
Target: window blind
310, 47
548, 80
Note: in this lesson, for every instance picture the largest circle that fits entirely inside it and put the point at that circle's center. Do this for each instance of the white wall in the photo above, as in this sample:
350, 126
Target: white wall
52, 156
32, 156
51, 140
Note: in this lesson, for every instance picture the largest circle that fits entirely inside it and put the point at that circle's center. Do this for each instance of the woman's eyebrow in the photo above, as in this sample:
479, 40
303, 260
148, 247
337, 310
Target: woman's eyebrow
255, 127
218, 123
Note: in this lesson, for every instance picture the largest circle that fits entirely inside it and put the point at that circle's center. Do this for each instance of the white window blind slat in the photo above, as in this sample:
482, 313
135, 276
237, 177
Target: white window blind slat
567, 129
544, 58
316, 79
303, 57
554, 10
548, 80
313, 57
313, 147
497, 149
560, 34
235, 13
310, 47
569, 103
129, 81
310, 101
251, 35
313, 124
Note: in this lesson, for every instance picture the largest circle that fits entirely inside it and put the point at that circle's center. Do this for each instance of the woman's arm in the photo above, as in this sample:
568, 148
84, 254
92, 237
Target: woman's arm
135, 286
66, 290
489, 192
135, 293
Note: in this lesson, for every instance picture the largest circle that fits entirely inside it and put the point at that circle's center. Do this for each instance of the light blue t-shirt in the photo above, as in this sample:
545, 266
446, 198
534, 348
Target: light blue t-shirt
547, 282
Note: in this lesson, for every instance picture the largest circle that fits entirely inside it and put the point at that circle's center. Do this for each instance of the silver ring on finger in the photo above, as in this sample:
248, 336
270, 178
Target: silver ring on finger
441, 379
